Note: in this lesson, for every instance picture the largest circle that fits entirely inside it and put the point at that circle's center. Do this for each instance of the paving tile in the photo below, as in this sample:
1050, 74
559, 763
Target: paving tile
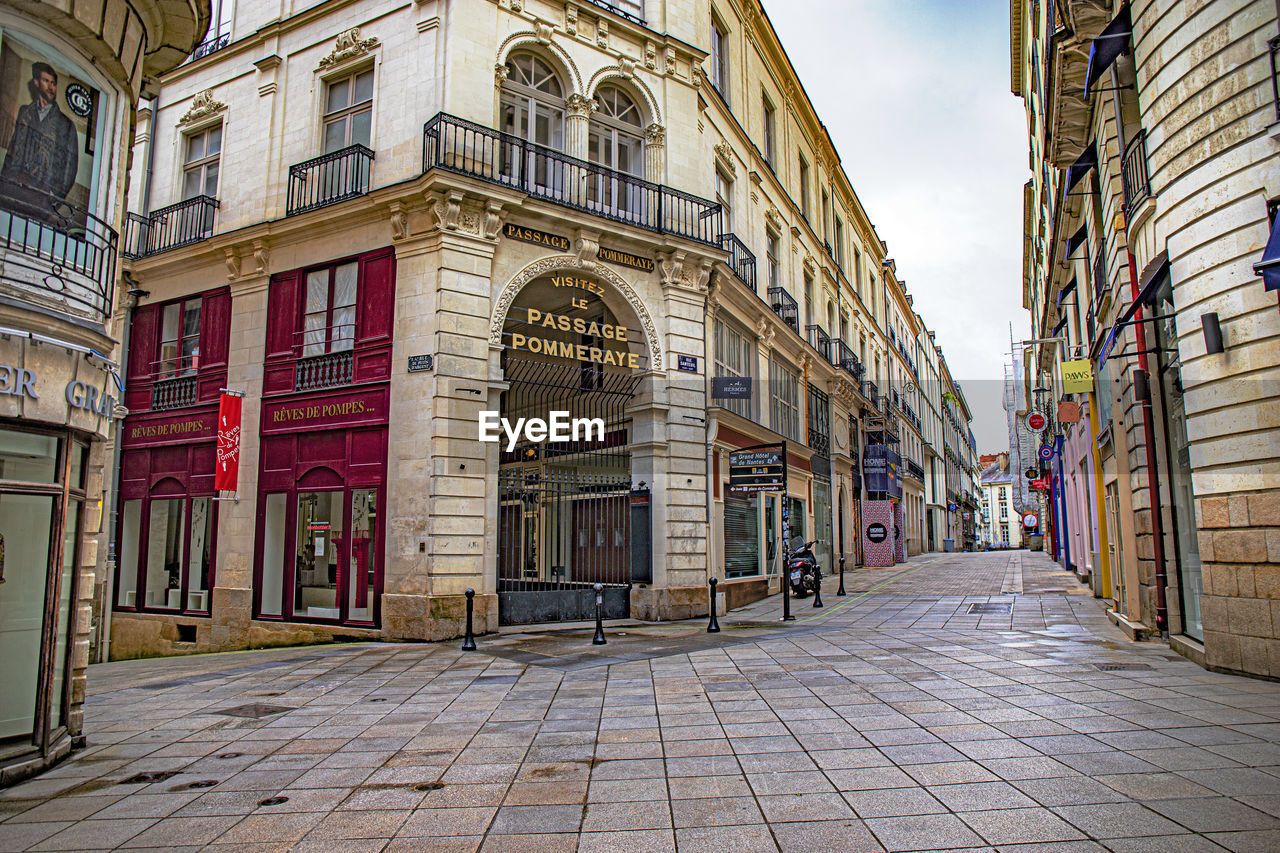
977, 796
539, 843
94, 834
519, 820
641, 815
1018, 826
824, 835
718, 839
634, 841
1117, 820
436, 844
1186, 843
1216, 814
893, 802
922, 832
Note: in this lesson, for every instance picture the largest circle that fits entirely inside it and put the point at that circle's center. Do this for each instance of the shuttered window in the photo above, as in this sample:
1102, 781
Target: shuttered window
741, 534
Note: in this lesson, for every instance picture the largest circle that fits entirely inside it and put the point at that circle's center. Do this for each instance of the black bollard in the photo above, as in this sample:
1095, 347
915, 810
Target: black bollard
598, 639
817, 588
713, 627
469, 641
840, 591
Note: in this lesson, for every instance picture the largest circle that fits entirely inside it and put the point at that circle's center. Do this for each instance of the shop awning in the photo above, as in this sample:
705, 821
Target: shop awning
1153, 275
1269, 266
1110, 43
1087, 160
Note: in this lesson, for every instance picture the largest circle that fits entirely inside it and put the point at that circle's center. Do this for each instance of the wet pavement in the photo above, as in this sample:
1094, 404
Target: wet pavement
959, 701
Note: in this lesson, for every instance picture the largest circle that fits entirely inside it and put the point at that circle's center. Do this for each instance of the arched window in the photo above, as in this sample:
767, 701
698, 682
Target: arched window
533, 101
615, 139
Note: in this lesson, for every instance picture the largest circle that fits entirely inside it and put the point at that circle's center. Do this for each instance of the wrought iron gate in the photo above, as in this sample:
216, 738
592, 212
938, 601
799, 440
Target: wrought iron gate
565, 506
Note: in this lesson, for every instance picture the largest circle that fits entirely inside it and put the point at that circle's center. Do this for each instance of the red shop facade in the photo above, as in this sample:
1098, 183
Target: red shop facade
321, 517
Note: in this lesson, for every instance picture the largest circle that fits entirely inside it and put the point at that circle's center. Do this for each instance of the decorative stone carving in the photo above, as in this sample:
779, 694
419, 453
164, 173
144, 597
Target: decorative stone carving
494, 214
602, 34
517, 6
670, 64
542, 33
446, 209
571, 19
348, 45
260, 256
655, 134
580, 105
671, 267
500, 73
724, 156
810, 263
233, 263
774, 218
650, 55
587, 246
627, 68
203, 105
399, 220
552, 263
699, 278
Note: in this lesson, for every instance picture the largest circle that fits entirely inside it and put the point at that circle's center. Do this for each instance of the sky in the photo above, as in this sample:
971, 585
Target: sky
915, 95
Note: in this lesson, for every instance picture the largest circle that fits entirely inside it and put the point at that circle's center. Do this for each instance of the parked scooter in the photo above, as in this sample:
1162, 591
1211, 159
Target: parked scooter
806, 574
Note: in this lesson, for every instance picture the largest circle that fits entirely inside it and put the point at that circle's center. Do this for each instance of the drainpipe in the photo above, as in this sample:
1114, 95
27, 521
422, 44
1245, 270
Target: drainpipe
1149, 438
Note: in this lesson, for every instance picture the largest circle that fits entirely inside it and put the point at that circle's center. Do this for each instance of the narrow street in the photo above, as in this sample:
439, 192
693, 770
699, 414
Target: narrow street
959, 701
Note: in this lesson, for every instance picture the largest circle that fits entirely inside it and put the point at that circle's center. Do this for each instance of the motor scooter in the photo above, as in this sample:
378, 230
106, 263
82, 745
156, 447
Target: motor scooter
805, 573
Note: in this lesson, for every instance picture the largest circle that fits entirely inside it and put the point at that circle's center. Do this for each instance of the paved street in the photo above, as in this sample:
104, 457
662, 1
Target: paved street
898, 718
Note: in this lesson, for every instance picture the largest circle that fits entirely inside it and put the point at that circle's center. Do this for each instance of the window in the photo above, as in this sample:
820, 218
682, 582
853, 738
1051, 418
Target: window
735, 355
804, 186
329, 310
741, 534
785, 387
348, 111
808, 300
857, 271
826, 216
179, 338
200, 165
724, 195
615, 139
720, 58
771, 258
769, 119
838, 239
166, 554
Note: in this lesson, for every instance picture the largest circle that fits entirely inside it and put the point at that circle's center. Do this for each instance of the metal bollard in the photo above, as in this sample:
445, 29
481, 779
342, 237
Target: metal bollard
713, 627
840, 591
817, 589
598, 639
469, 641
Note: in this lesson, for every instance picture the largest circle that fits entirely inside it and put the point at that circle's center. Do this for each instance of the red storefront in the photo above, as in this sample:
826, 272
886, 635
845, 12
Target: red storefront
323, 450
167, 520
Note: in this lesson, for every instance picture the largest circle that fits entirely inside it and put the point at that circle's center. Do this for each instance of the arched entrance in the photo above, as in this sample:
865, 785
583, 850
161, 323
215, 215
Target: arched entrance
573, 356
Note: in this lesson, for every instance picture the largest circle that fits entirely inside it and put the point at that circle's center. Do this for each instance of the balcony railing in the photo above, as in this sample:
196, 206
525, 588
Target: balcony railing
785, 306
821, 341
1137, 183
849, 361
169, 227
212, 44
914, 469
55, 252
323, 371
174, 392
872, 392
329, 179
471, 149
741, 260
605, 4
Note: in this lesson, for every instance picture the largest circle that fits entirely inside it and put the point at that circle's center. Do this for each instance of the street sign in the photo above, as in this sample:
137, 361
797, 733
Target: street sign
1046, 452
1030, 519
1036, 421
419, 363
687, 363
758, 469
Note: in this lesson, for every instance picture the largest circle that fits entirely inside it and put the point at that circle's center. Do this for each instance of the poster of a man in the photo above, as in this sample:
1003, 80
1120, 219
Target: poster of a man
46, 127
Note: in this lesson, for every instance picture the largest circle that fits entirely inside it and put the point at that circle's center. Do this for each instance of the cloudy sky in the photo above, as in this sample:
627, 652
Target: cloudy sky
915, 95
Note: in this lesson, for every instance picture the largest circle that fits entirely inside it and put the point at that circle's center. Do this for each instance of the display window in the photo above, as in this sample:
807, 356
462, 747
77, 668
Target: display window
166, 553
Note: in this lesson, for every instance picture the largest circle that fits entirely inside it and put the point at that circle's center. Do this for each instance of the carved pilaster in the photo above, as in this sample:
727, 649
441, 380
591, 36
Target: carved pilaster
399, 220
655, 139
587, 247
671, 267
494, 214
578, 110
446, 209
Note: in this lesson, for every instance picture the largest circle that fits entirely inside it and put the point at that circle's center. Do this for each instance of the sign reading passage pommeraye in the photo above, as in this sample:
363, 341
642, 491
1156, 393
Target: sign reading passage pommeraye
758, 469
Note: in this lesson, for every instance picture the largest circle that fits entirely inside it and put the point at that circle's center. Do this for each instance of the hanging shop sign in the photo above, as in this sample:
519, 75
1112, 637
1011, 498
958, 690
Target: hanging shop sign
1030, 519
1068, 412
538, 238
1046, 452
1031, 473
1040, 485
758, 469
226, 472
1036, 421
1077, 376
731, 387
625, 259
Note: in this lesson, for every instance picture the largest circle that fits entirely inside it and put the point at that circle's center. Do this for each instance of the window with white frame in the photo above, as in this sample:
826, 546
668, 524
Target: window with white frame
804, 186
784, 383
724, 195
734, 356
720, 58
200, 162
838, 240
771, 258
348, 111
769, 120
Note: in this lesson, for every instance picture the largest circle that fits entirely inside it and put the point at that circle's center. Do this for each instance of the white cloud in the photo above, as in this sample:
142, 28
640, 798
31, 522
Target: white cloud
915, 96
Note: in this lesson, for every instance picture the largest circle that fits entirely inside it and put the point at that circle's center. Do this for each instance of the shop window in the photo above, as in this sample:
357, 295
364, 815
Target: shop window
329, 312
348, 111
741, 534
200, 164
166, 554
273, 556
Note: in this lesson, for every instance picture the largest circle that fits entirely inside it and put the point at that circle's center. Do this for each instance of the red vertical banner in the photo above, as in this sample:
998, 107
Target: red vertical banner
226, 475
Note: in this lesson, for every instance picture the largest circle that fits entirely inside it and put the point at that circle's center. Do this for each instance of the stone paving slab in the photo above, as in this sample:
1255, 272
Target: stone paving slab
891, 719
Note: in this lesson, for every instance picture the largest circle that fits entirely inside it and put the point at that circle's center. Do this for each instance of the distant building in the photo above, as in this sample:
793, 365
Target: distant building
1002, 523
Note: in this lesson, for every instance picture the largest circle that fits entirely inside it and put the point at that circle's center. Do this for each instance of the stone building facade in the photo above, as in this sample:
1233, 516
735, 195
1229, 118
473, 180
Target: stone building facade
1153, 134
629, 212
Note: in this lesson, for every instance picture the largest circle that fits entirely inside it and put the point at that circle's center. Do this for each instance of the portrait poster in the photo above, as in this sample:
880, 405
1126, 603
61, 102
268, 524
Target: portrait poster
49, 129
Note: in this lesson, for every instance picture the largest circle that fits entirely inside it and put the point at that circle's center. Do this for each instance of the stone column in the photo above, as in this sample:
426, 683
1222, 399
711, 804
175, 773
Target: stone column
578, 110
655, 144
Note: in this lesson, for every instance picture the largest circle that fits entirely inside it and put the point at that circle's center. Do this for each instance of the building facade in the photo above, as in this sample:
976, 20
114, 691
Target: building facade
70, 79
1153, 142
625, 212
1001, 522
